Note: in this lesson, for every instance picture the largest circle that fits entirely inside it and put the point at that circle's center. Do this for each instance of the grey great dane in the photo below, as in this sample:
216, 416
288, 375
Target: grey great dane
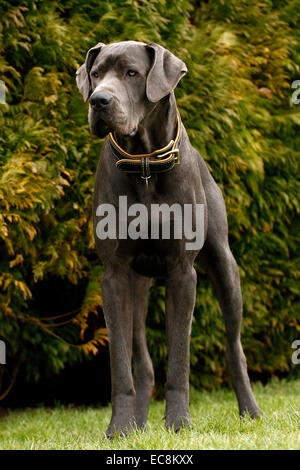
147, 156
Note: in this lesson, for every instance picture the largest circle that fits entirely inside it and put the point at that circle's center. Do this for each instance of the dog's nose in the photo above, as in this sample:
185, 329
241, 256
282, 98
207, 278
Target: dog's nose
100, 99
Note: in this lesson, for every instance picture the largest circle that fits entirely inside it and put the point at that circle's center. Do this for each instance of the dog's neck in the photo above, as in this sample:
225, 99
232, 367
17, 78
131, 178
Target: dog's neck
155, 131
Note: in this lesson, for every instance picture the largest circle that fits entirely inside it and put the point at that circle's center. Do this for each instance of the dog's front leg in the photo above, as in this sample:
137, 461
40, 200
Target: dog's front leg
118, 311
180, 300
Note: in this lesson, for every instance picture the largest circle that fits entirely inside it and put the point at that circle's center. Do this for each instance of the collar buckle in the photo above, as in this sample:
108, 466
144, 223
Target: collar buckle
159, 161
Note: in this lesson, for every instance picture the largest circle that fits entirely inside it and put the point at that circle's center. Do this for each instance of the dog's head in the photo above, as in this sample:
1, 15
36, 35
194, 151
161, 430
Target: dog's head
123, 81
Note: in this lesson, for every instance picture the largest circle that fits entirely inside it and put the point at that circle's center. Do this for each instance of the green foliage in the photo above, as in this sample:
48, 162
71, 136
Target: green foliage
235, 102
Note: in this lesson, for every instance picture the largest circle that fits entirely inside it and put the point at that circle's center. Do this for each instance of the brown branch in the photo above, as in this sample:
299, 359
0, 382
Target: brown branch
46, 328
13, 379
62, 315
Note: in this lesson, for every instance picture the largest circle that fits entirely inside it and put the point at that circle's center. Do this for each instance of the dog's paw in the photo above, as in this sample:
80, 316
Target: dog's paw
120, 428
177, 421
254, 413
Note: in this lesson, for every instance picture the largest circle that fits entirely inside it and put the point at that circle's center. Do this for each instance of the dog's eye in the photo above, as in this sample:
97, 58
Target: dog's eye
95, 74
131, 73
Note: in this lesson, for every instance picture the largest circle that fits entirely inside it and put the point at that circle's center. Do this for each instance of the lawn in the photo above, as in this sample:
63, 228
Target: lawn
216, 424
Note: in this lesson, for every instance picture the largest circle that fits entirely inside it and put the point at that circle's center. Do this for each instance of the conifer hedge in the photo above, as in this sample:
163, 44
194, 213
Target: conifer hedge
235, 102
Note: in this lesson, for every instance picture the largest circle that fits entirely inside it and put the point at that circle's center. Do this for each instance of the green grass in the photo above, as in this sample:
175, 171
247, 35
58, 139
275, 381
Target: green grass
216, 424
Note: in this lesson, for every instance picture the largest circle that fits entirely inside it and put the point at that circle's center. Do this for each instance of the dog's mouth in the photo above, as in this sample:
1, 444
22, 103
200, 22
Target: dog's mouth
132, 133
104, 121
102, 127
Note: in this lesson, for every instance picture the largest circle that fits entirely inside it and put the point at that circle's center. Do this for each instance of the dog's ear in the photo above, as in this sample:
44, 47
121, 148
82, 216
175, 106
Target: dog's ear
83, 73
83, 81
164, 74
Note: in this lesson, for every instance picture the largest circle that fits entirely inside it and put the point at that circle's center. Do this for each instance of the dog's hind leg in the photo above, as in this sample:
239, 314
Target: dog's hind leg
223, 271
143, 369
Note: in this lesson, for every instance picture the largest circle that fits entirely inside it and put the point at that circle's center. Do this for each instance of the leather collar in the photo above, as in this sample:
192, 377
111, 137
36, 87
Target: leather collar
159, 161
